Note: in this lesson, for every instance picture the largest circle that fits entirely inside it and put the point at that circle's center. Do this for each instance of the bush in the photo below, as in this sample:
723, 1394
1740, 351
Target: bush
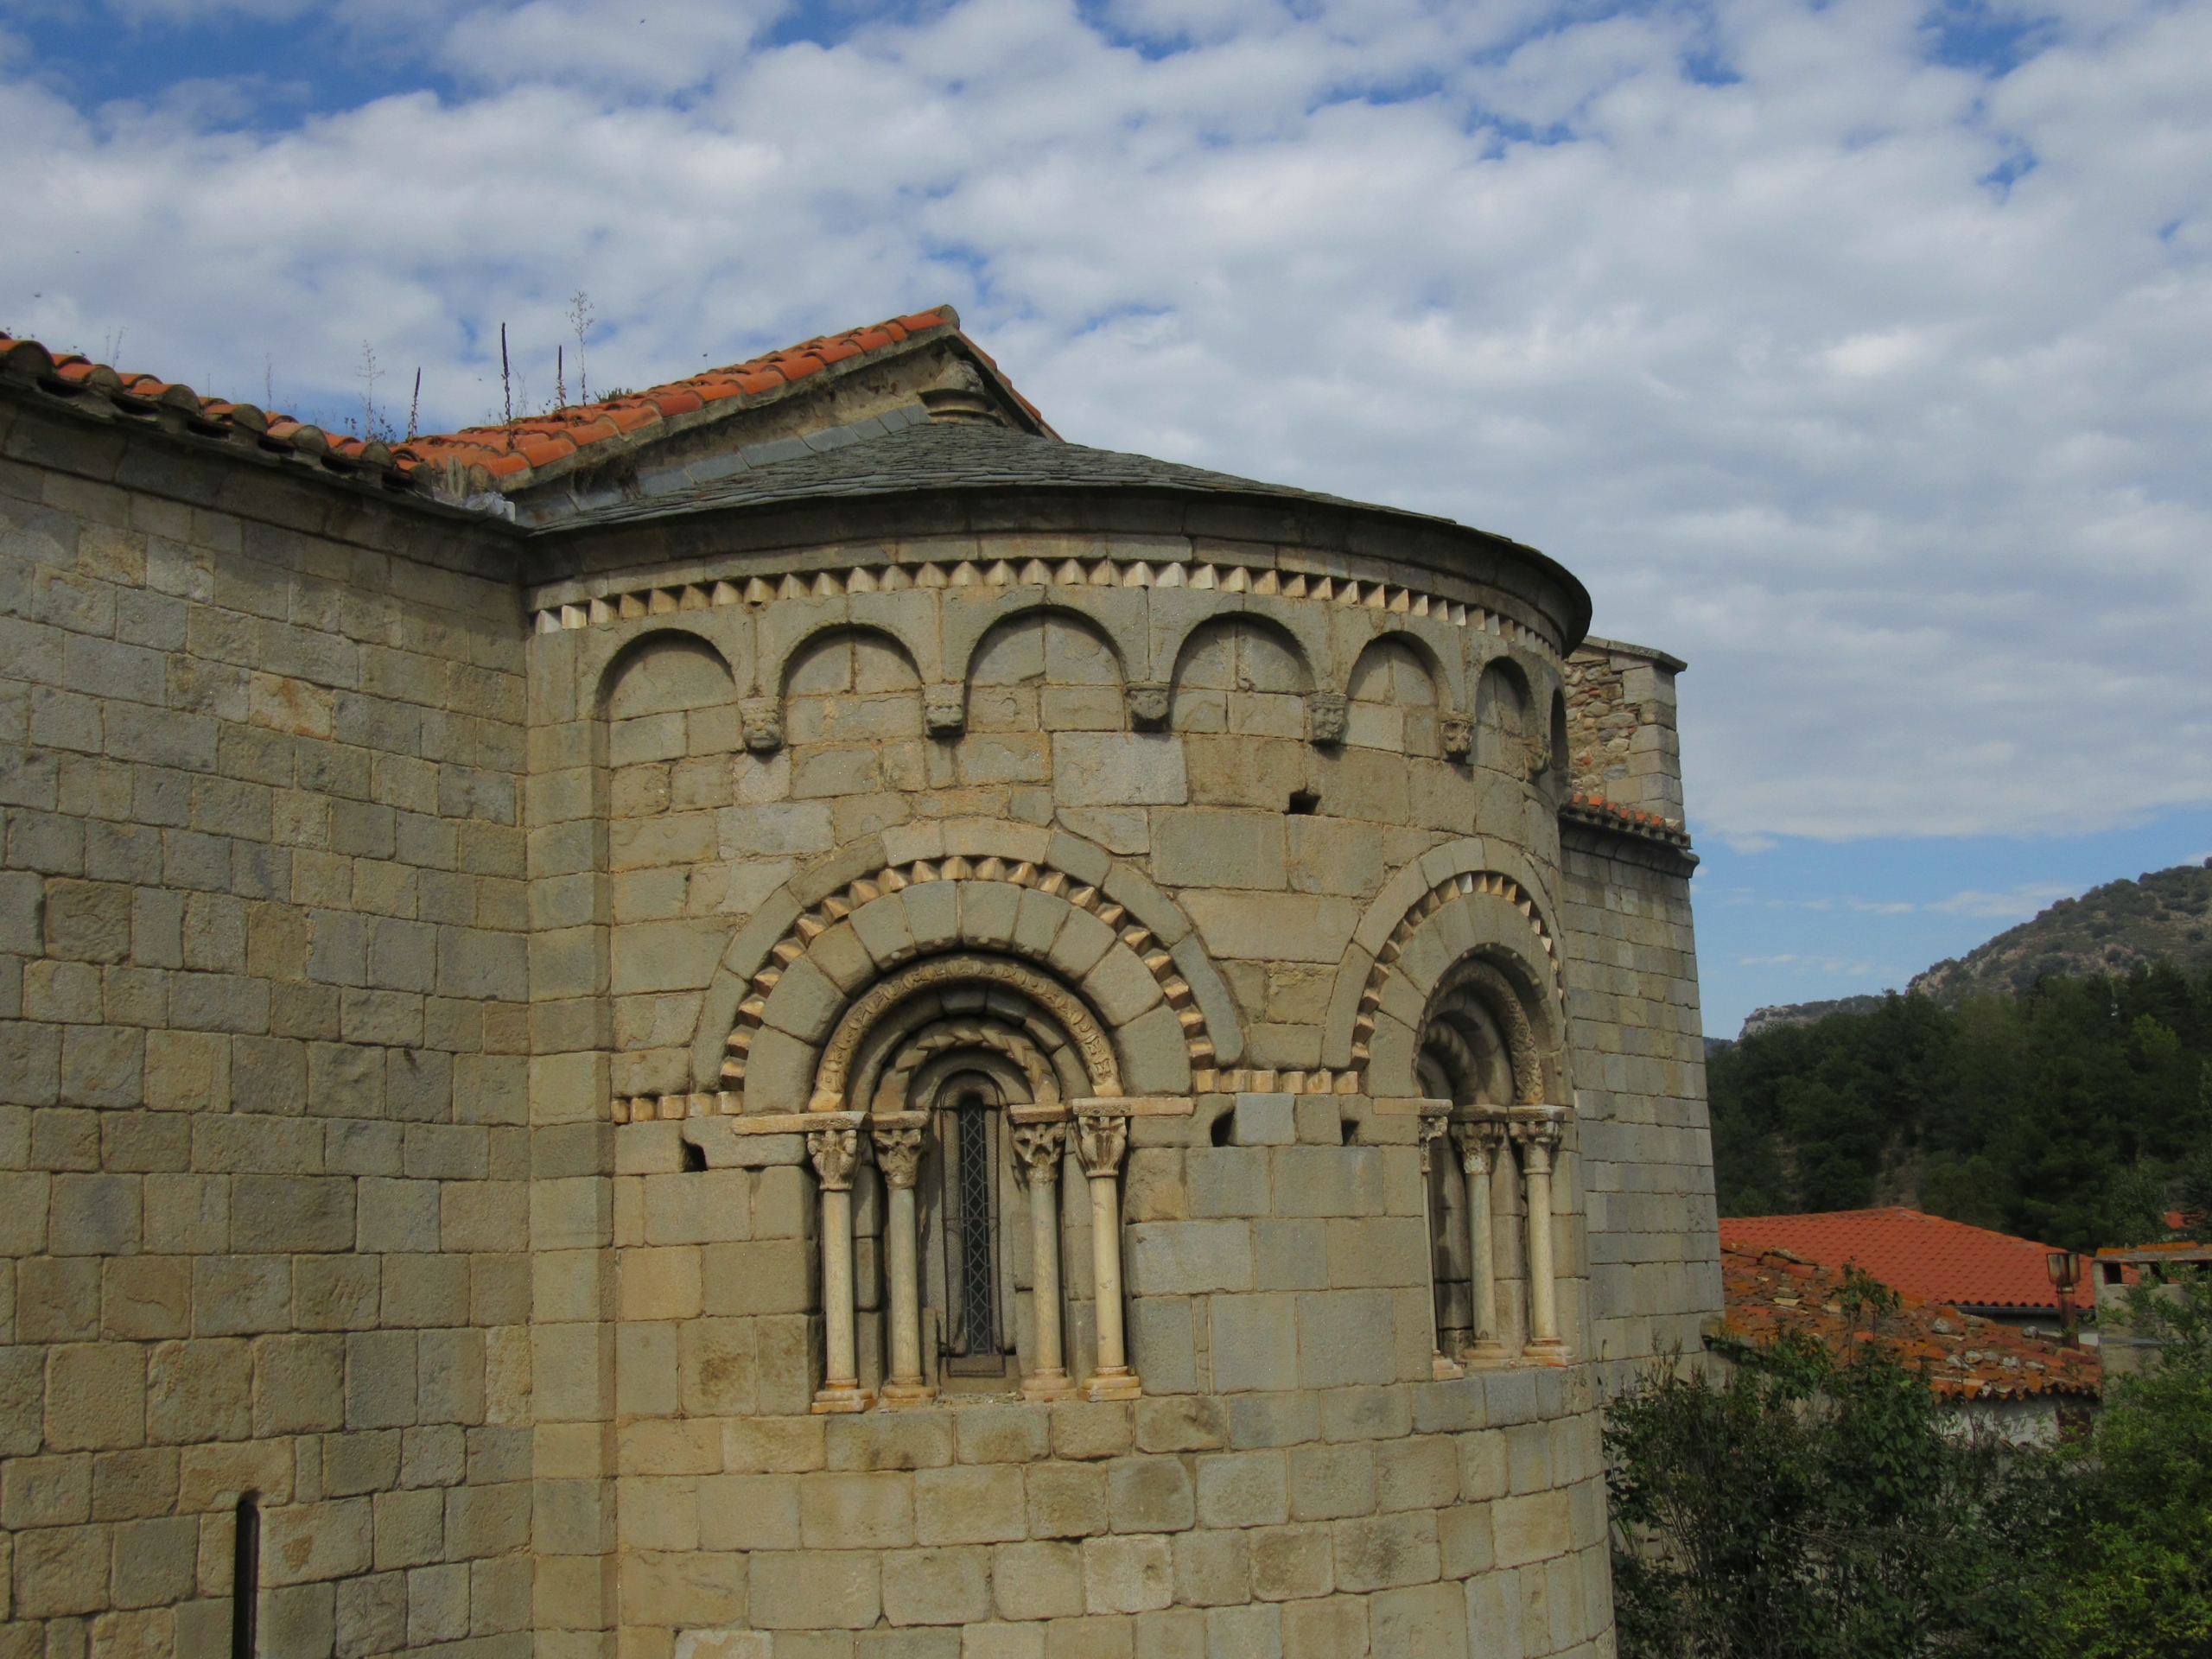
1809, 1507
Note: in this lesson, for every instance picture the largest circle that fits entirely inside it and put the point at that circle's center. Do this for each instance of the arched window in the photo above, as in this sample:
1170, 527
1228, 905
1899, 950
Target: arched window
979, 1075
1489, 1172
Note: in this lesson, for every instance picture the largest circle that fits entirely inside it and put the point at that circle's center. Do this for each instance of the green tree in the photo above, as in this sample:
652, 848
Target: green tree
2140, 1585
1808, 1508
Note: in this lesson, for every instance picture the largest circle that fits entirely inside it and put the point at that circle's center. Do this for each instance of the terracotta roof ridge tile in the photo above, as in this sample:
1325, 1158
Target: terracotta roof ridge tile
503, 450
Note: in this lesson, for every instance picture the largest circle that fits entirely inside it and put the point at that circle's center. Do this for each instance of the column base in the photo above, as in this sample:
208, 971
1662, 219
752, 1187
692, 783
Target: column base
1048, 1385
1119, 1383
896, 1393
839, 1398
1485, 1357
1545, 1350
1443, 1369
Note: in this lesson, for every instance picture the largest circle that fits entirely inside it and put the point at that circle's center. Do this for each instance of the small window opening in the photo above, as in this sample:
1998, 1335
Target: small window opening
1304, 802
695, 1156
246, 1577
1223, 1127
973, 1338
1350, 1127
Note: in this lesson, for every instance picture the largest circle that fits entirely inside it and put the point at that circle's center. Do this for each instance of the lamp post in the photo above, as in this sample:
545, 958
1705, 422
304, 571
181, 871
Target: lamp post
2065, 1269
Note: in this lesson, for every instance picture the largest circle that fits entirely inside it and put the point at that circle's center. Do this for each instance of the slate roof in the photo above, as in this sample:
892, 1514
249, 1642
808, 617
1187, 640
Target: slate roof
1767, 1290
1920, 1255
940, 455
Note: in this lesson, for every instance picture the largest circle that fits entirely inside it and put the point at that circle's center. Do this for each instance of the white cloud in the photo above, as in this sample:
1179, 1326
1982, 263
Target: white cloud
1904, 457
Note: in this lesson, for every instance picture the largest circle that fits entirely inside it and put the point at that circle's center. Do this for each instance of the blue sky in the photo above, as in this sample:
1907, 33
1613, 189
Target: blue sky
1857, 351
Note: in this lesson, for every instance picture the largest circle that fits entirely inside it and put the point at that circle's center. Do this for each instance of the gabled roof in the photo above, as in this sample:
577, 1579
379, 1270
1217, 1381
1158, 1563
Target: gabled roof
1919, 1254
524, 451
1768, 1291
513, 454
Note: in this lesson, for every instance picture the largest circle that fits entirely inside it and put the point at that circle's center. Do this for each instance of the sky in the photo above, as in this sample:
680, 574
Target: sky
1855, 351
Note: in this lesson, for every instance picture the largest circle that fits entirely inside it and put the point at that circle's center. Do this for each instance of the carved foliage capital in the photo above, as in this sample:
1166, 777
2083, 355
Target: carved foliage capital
1037, 1149
835, 1149
898, 1140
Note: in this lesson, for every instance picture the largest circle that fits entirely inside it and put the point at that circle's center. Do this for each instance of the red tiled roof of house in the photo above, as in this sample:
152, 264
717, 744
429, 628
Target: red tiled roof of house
507, 452
1767, 1290
539, 441
1920, 1255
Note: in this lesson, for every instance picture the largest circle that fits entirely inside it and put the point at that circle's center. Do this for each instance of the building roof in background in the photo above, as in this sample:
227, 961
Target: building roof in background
1767, 1291
1917, 1255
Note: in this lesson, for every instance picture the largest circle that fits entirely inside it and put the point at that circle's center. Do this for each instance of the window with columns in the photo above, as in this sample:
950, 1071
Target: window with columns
984, 1098
1490, 1140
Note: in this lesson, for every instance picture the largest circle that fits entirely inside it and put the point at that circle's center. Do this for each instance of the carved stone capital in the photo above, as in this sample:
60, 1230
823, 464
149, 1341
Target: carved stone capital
1327, 716
835, 1149
1538, 1135
762, 719
1037, 1149
944, 710
898, 1140
1150, 705
1480, 1140
1101, 1135
1435, 1123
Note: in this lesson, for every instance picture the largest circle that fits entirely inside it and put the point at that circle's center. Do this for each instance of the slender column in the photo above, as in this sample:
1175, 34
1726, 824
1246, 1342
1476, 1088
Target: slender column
1538, 1137
834, 1148
1041, 1141
1480, 1140
898, 1138
1101, 1137
1435, 1121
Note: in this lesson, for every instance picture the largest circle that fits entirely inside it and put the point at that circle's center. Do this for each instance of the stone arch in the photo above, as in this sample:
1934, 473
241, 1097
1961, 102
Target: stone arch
850, 683
1474, 1001
1395, 696
1464, 895
1013, 886
1047, 668
785, 631
1510, 735
1115, 614
1240, 673
667, 669
922, 980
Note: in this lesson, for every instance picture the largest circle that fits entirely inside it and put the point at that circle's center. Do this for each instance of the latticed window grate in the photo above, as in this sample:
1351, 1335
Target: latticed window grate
971, 1330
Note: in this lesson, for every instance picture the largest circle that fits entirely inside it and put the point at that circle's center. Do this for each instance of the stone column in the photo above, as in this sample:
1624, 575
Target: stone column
1538, 1137
1101, 1137
834, 1148
1480, 1140
1041, 1141
898, 1140
1435, 1121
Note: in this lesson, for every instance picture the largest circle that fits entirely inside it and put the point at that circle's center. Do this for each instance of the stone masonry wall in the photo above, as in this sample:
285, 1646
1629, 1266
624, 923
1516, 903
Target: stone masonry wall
1621, 735
1655, 1263
263, 1068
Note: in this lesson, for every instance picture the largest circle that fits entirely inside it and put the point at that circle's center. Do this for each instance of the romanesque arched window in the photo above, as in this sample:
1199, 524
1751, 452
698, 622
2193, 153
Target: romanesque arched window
1489, 1168
968, 1080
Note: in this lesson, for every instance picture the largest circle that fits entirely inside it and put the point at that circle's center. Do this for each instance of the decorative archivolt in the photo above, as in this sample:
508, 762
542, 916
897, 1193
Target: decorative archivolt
811, 924
758, 592
1478, 983
888, 1090
832, 1074
1444, 892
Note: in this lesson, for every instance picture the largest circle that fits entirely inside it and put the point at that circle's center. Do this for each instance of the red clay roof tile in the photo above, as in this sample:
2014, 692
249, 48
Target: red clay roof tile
504, 451
1964, 1357
1921, 1254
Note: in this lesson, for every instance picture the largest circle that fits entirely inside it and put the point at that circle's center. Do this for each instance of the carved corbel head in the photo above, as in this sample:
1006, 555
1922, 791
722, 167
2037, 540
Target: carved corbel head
762, 719
1458, 733
1327, 716
944, 709
1150, 705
